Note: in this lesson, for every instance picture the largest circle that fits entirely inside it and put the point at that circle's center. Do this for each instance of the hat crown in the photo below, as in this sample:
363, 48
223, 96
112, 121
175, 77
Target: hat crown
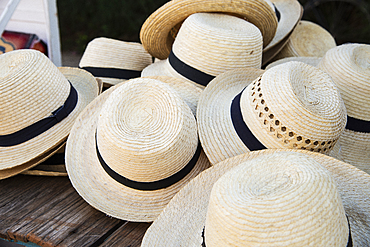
31, 88
214, 43
276, 200
146, 132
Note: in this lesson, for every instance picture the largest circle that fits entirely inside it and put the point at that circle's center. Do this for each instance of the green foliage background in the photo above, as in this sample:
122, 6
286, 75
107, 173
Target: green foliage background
80, 21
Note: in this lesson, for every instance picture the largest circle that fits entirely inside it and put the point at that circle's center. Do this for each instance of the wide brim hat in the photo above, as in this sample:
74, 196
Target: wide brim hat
308, 39
39, 88
348, 65
160, 28
183, 220
209, 44
114, 61
293, 105
145, 153
290, 13
313, 61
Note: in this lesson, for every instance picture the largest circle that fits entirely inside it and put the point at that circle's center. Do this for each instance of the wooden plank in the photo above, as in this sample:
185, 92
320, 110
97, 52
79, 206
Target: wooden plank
129, 234
7, 13
49, 212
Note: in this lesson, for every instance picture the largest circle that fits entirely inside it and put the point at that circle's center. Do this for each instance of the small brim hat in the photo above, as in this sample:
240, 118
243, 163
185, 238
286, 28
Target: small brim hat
183, 221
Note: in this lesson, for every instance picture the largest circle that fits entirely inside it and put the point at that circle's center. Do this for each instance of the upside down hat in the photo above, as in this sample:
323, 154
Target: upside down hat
349, 66
133, 148
38, 105
209, 44
271, 197
292, 105
159, 30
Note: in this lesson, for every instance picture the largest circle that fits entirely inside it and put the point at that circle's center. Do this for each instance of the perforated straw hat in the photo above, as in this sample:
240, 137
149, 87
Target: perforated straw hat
209, 44
38, 105
289, 13
133, 148
293, 105
158, 32
349, 66
259, 203
308, 39
114, 61
313, 61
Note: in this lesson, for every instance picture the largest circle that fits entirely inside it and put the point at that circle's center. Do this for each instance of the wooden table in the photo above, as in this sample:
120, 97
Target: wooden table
49, 212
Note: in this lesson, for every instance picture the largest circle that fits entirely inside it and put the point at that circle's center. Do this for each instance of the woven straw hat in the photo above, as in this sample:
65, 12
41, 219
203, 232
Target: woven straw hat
145, 136
313, 61
293, 105
113, 60
159, 30
289, 13
263, 199
349, 66
209, 44
308, 39
39, 104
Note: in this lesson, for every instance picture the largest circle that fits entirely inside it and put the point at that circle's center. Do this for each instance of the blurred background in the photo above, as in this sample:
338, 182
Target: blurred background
82, 21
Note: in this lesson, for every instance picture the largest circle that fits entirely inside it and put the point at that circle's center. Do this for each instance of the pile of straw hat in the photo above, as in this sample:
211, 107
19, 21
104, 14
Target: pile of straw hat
208, 127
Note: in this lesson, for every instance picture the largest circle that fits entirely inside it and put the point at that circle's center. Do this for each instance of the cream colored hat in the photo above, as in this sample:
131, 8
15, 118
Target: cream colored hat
113, 60
293, 105
209, 44
159, 30
38, 105
289, 13
313, 61
133, 148
349, 66
272, 198
308, 39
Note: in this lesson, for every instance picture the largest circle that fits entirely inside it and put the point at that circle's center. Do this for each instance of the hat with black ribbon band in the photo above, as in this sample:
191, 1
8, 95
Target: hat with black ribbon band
155, 185
241, 128
113, 72
188, 71
42, 125
358, 125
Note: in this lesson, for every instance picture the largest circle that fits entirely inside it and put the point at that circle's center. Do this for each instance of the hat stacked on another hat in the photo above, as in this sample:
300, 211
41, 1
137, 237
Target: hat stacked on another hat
209, 44
39, 104
292, 105
133, 148
114, 61
349, 66
269, 198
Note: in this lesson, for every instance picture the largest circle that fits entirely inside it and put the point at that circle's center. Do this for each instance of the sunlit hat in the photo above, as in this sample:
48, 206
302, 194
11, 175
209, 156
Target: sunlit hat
113, 60
313, 61
289, 13
133, 148
272, 198
292, 105
308, 39
159, 30
209, 44
38, 105
349, 66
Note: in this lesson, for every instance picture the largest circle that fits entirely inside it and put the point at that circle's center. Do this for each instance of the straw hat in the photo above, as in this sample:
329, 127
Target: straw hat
267, 194
159, 30
209, 44
113, 60
38, 105
308, 39
289, 13
145, 136
313, 61
349, 66
292, 105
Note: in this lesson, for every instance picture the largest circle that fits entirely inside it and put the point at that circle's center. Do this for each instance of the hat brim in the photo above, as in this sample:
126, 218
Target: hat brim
100, 190
155, 33
181, 223
313, 61
213, 114
87, 89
